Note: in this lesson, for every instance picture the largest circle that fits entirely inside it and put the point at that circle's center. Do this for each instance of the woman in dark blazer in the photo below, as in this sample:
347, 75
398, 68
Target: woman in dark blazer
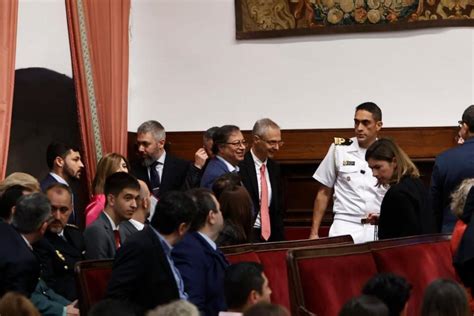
405, 209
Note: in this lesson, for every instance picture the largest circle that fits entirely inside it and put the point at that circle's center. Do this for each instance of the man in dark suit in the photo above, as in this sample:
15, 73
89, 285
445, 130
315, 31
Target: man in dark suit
229, 147
19, 267
144, 273
197, 257
103, 237
451, 167
161, 171
261, 177
62, 245
64, 163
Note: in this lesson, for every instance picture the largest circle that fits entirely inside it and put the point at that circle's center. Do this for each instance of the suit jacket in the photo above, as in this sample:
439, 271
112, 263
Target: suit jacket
249, 179
405, 210
47, 181
178, 174
450, 169
19, 267
126, 230
202, 269
141, 273
58, 257
99, 239
214, 169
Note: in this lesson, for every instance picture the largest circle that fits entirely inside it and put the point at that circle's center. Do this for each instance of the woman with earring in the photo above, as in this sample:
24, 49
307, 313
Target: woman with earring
405, 209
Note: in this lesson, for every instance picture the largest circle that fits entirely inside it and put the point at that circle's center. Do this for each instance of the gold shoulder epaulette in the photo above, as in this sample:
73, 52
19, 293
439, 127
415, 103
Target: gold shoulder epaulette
72, 226
342, 141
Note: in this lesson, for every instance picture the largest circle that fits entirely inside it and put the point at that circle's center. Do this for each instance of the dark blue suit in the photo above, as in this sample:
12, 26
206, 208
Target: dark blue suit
202, 269
47, 181
19, 268
215, 168
450, 169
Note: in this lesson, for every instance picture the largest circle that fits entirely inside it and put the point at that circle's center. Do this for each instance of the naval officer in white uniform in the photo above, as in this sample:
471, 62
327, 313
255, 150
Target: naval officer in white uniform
345, 176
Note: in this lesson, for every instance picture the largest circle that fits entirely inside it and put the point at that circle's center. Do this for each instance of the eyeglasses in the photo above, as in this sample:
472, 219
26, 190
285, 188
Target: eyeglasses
274, 143
238, 143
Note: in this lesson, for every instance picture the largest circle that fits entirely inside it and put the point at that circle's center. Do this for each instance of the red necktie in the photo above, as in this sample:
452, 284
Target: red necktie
264, 211
117, 239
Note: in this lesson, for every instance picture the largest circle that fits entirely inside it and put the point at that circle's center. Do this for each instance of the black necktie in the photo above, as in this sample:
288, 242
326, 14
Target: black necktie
154, 179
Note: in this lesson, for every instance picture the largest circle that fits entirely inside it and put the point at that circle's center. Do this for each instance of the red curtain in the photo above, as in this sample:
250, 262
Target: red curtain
98, 37
8, 26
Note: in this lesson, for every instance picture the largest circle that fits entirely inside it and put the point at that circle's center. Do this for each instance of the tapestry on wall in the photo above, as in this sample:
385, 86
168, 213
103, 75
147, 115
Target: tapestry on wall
275, 18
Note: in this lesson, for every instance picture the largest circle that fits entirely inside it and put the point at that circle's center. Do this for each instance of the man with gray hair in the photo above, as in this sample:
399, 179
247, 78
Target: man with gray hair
261, 177
163, 172
19, 267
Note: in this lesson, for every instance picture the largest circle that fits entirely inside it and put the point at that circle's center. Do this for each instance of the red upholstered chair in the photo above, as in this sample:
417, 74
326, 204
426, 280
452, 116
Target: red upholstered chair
273, 257
323, 279
240, 253
419, 259
92, 278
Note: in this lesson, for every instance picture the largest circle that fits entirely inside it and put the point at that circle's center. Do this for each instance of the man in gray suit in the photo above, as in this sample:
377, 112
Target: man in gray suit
102, 237
137, 222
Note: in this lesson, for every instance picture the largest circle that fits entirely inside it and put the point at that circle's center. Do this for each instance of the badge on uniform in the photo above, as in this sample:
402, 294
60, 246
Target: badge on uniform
348, 163
60, 255
342, 141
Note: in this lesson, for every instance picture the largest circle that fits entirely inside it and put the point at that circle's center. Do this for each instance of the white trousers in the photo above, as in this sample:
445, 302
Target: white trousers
359, 232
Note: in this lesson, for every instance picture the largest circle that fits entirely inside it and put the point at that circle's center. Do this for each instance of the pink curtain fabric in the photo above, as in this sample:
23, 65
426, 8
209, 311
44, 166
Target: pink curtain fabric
98, 37
8, 27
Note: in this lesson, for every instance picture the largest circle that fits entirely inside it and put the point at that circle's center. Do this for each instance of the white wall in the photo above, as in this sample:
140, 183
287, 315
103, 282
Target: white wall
42, 36
188, 71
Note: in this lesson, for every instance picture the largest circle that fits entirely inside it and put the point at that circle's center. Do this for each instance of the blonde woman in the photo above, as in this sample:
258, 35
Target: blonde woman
109, 164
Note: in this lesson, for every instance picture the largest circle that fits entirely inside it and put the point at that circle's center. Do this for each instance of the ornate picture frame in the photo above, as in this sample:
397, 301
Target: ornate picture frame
277, 18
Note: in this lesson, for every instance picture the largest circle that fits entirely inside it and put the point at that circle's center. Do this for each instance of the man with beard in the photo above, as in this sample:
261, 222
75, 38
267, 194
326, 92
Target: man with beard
161, 171
261, 177
103, 237
62, 245
229, 147
64, 163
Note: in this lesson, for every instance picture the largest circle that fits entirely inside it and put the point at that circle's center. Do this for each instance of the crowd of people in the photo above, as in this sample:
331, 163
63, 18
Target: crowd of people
163, 219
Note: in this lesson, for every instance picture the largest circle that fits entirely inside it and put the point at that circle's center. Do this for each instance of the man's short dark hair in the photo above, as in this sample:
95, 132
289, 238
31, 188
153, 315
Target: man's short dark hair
31, 212
468, 117
391, 289
221, 136
117, 182
209, 133
241, 279
173, 209
372, 108
204, 202
57, 149
9, 198
364, 305
227, 181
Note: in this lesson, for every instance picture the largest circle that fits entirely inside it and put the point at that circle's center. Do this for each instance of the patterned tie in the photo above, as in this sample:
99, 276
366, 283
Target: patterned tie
264, 211
117, 239
155, 179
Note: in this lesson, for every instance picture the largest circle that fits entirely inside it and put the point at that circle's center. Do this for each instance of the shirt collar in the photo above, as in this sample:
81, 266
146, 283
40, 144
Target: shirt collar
209, 240
257, 160
58, 178
27, 242
114, 227
162, 158
229, 166
137, 224
166, 246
